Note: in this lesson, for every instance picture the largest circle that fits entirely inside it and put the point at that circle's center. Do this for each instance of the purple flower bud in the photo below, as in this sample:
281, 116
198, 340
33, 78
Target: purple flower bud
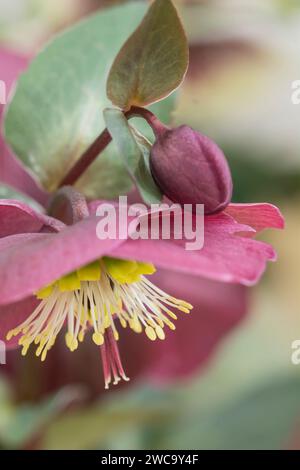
190, 168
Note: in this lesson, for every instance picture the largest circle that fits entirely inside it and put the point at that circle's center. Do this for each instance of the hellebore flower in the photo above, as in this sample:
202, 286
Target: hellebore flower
55, 273
52, 274
190, 168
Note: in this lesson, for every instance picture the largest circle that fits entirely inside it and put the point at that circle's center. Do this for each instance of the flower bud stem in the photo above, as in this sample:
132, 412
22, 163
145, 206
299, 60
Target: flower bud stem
102, 141
158, 127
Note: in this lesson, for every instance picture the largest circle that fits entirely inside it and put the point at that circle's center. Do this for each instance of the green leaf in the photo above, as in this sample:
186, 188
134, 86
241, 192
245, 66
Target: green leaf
260, 419
56, 112
101, 422
7, 192
134, 149
20, 424
153, 61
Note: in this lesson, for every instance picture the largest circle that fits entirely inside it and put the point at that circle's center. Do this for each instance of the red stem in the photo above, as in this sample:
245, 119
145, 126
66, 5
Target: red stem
87, 159
158, 127
102, 141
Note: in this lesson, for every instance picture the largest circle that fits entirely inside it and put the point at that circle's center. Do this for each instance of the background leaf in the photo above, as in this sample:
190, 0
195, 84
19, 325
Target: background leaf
153, 61
56, 112
134, 150
20, 424
94, 427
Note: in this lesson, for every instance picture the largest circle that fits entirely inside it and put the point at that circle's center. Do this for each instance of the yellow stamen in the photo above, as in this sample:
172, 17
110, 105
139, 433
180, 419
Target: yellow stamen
99, 295
98, 339
150, 333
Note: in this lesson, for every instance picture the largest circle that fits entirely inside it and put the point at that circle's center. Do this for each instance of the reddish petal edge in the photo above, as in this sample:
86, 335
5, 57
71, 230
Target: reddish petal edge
226, 256
165, 255
259, 216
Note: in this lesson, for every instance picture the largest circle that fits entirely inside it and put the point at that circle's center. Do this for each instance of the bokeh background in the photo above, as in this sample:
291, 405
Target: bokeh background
242, 392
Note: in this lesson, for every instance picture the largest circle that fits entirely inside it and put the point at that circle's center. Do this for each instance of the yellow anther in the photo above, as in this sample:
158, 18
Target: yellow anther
11, 334
24, 350
136, 325
37, 339
160, 332
98, 338
151, 322
171, 314
186, 305
41, 347
21, 340
116, 335
81, 335
24, 341
170, 324
123, 322
150, 332
74, 344
44, 355
183, 309
68, 339
182, 303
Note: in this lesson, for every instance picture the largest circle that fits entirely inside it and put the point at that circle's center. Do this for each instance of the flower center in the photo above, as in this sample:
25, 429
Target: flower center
99, 296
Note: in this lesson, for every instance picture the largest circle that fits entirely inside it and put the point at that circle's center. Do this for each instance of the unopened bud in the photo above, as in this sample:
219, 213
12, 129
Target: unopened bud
190, 168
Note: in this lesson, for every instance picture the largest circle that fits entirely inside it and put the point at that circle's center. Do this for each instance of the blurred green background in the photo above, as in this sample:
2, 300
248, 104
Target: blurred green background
245, 54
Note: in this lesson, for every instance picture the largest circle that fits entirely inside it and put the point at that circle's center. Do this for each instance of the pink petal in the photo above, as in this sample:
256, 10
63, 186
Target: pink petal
27, 267
258, 216
226, 256
16, 217
30, 262
13, 315
218, 308
18, 240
